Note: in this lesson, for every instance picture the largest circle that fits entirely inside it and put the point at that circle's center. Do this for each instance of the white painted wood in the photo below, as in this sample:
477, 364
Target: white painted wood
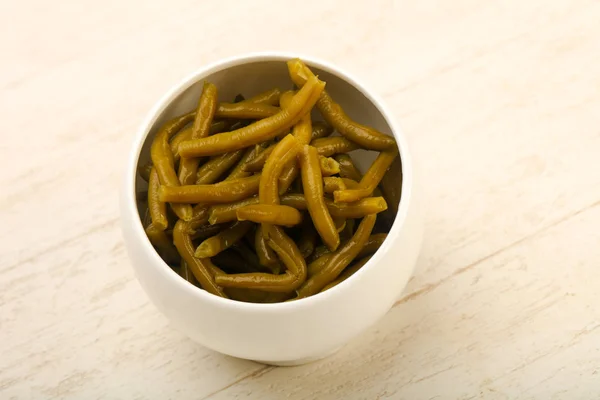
500, 101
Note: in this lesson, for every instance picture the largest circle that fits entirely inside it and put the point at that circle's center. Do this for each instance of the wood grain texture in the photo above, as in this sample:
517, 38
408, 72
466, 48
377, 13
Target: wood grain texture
500, 103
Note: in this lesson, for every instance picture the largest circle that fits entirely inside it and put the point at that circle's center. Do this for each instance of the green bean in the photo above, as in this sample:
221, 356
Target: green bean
347, 168
333, 183
288, 253
329, 146
368, 205
312, 181
162, 158
270, 97
223, 192
238, 171
366, 137
206, 231
162, 243
221, 213
222, 240
350, 183
308, 239
391, 185
257, 162
202, 268
317, 263
348, 230
347, 273
266, 255
144, 171
319, 252
258, 131
339, 260
200, 128
320, 129
340, 223
373, 244
270, 214
186, 133
370, 180
245, 110
157, 208
328, 166
283, 152
214, 168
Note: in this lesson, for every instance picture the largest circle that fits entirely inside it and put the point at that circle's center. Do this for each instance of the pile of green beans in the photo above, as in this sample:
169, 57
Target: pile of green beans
254, 201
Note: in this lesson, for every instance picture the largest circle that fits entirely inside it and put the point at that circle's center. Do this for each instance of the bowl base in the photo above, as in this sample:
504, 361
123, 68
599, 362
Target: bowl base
301, 361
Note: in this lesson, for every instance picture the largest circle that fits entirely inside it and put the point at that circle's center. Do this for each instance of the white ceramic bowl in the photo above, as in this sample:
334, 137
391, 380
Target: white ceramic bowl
286, 333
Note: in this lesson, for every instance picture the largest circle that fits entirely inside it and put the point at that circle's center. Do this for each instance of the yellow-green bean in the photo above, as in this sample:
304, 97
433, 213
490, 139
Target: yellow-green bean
348, 272
329, 146
370, 180
157, 208
339, 259
214, 168
258, 131
162, 158
223, 240
223, 192
312, 182
288, 253
200, 128
321, 129
328, 166
365, 136
270, 214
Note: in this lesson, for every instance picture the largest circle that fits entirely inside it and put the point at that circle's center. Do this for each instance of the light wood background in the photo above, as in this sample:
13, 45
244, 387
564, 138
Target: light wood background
500, 101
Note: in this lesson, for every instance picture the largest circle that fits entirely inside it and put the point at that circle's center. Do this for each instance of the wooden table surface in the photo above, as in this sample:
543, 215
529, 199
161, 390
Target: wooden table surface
500, 101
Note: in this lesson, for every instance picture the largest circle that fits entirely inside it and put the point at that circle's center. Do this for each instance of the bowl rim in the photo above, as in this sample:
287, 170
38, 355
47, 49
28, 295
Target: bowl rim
129, 190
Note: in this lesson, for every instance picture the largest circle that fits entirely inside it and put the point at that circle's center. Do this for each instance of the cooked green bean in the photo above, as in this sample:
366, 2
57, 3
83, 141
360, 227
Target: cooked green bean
321, 129
221, 213
319, 252
340, 224
308, 238
157, 208
162, 243
186, 133
284, 152
347, 168
270, 214
270, 97
312, 182
329, 146
200, 128
214, 168
223, 192
256, 163
348, 230
339, 259
206, 231
248, 255
333, 183
258, 131
370, 180
202, 268
391, 185
368, 205
162, 158
266, 255
245, 110
366, 137
328, 166
238, 171
288, 253
373, 244
348, 272
350, 183
222, 240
